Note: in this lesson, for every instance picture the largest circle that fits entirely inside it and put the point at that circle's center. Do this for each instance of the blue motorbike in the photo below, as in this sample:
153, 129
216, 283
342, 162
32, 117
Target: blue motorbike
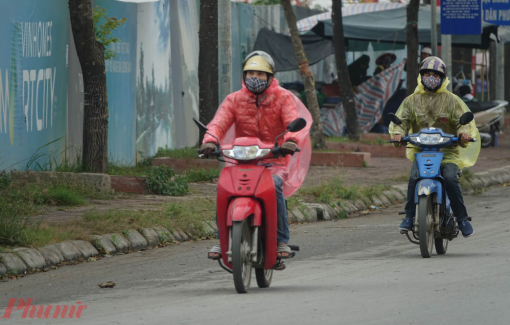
434, 223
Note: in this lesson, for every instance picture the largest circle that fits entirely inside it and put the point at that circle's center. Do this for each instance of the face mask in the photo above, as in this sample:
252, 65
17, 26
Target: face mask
431, 82
255, 85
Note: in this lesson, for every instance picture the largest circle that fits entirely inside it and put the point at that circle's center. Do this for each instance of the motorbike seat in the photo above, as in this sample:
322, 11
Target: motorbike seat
476, 107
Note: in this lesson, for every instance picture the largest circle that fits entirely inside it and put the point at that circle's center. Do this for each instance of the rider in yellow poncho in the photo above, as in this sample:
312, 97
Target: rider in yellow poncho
432, 105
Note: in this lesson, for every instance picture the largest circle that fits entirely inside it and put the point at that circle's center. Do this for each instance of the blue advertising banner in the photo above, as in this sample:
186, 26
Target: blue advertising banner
461, 17
121, 84
33, 81
496, 12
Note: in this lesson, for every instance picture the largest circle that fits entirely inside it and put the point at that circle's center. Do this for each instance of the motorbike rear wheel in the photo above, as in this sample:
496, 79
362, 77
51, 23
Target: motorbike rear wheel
441, 245
263, 277
426, 225
241, 257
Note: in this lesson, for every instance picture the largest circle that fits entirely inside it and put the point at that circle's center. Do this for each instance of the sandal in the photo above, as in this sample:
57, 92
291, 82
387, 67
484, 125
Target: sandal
284, 251
216, 249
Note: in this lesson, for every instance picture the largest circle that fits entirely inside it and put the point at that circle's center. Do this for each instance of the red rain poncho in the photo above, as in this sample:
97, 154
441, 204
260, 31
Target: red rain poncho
244, 114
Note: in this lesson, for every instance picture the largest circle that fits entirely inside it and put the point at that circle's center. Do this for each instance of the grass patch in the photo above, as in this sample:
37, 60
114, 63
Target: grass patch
61, 195
404, 177
335, 190
21, 198
186, 215
198, 175
189, 152
120, 170
378, 140
163, 180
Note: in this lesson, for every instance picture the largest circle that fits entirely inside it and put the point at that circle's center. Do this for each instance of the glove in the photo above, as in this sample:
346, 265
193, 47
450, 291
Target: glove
207, 148
288, 148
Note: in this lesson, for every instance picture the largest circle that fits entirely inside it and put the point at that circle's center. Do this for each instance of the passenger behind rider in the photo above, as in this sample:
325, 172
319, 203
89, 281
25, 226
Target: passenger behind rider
432, 105
260, 109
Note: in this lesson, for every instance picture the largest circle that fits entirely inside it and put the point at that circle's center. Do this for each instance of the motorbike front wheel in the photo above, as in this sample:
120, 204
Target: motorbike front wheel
241, 257
426, 225
488, 141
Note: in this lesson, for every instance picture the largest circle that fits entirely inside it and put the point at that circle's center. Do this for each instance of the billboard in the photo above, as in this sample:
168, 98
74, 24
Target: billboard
33, 81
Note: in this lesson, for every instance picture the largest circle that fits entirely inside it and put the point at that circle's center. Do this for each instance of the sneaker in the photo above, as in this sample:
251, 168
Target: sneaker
406, 225
466, 228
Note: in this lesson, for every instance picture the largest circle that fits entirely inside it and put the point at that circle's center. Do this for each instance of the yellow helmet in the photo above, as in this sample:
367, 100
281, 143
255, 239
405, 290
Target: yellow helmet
259, 61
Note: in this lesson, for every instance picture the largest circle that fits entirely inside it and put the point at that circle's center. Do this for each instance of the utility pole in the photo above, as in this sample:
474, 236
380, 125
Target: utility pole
507, 72
433, 28
412, 45
446, 56
225, 49
493, 66
500, 74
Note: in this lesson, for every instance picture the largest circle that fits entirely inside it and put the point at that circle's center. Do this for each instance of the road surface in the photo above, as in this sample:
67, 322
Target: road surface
352, 271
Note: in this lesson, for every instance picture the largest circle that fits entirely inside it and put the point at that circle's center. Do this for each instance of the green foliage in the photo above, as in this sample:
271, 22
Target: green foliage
103, 31
163, 180
35, 161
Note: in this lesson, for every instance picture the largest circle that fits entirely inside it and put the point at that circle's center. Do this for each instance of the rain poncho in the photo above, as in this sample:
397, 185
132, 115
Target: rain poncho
266, 116
440, 109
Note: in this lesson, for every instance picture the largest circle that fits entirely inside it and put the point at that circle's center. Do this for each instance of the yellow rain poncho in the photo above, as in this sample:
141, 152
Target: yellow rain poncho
440, 109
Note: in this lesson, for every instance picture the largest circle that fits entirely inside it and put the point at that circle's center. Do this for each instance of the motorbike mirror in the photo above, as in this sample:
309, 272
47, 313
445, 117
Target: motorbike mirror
296, 125
200, 125
466, 118
394, 119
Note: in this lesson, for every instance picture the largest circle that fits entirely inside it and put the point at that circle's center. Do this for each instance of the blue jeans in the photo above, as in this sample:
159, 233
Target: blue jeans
283, 234
452, 187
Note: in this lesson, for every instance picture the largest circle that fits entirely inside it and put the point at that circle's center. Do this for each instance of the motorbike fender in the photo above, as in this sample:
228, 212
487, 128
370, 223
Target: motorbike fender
429, 187
429, 164
241, 208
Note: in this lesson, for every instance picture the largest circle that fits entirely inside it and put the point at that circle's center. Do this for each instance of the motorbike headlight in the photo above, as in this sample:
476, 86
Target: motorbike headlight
246, 153
430, 138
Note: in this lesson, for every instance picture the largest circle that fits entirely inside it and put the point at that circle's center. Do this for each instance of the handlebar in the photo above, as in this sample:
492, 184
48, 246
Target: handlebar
405, 140
217, 152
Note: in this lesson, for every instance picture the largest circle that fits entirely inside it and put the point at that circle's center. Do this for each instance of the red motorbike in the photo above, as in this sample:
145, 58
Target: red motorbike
246, 209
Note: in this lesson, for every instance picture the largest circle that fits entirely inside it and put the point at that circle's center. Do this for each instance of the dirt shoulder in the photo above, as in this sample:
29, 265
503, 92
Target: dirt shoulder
387, 171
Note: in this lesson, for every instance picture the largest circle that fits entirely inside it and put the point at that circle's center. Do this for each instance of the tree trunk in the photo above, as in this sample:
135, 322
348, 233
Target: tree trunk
95, 117
344, 80
412, 45
208, 62
319, 141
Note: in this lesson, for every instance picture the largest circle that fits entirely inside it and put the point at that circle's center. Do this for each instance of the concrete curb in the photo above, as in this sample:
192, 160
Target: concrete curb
23, 260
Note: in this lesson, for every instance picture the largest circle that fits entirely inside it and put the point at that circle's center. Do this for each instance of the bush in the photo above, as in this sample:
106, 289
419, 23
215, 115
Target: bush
163, 180
5, 180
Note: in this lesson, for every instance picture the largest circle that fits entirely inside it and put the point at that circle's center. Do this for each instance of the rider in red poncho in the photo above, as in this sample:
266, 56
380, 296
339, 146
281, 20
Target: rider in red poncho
263, 109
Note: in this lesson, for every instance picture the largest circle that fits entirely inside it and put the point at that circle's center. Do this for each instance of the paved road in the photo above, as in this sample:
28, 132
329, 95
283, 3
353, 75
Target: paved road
354, 271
